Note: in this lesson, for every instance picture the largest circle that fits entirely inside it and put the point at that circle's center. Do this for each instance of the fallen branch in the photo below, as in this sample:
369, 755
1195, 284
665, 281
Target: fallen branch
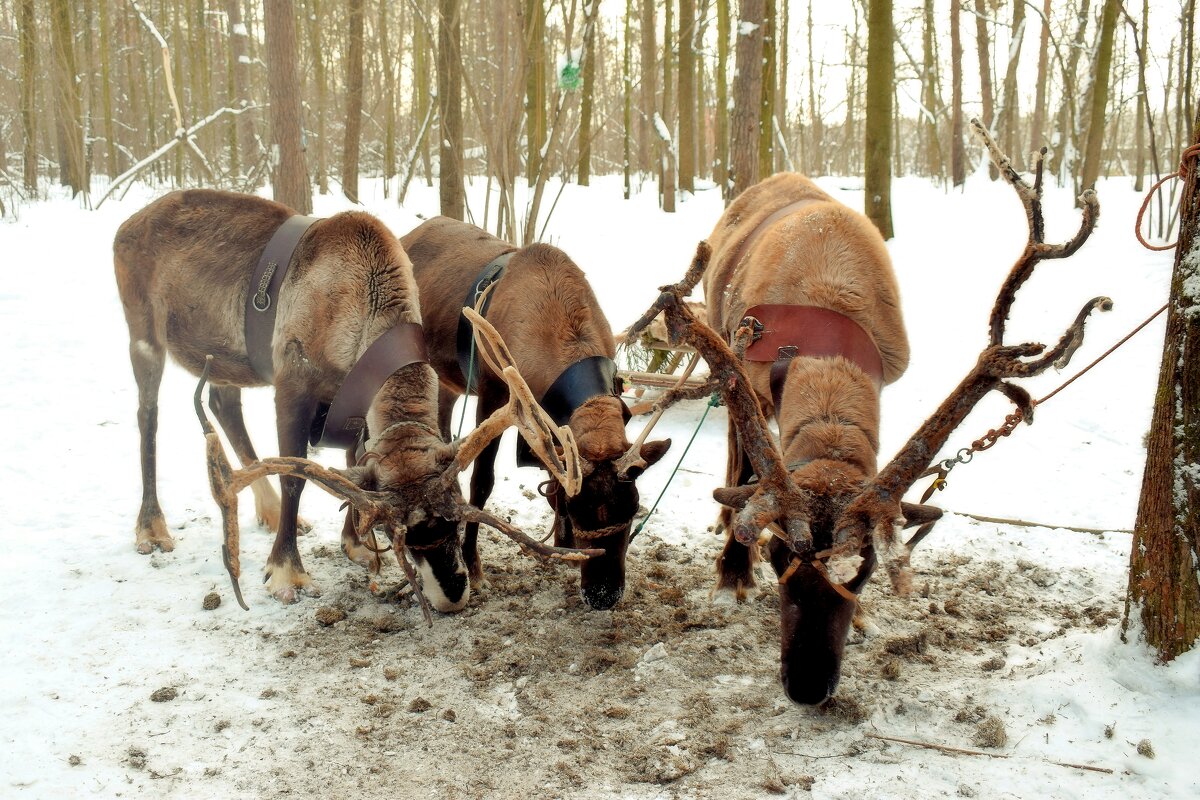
1020, 523
966, 752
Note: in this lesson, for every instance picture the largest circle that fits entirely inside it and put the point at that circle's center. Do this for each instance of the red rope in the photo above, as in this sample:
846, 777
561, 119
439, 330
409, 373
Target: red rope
1190, 153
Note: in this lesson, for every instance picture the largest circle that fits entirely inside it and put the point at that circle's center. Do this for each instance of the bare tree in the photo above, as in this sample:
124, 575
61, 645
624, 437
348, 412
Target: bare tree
720, 159
68, 114
649, 69
243, 124
1102, 68
747, 96
354, 102
1164, 589
1039, 103
28, 36
289, 176
584, 167
535, 86
878, 138
687, 95
449, 71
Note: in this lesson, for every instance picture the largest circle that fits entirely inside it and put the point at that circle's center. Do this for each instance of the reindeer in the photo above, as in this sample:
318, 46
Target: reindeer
829, 514
184, 265
542, 305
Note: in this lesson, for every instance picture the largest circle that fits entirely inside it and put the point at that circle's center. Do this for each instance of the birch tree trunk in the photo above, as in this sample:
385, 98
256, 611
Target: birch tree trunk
1164, 583
289, 176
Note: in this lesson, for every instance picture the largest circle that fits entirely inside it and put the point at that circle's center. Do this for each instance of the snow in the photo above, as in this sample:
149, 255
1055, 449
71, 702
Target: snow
551, 700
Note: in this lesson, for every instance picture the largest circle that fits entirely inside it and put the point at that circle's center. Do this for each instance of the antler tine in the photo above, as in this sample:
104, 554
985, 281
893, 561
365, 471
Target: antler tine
398, 534
678, 291
534, 425
225, 483
1036, 250
470, 513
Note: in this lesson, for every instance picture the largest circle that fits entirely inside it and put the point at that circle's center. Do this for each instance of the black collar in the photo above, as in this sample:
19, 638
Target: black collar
468, 360
595, 376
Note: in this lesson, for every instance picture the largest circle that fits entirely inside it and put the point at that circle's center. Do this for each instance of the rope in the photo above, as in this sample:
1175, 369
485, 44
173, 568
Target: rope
1192, 152
1012, 420
713, 402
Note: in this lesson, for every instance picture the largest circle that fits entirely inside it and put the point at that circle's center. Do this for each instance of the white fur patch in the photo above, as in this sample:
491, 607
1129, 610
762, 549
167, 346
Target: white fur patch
433, 592
145, 350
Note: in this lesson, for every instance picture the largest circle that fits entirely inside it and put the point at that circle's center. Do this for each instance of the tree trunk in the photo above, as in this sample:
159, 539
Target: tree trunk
929, 97
1143, 97
1100, 80
1068, 114
1164, 589
985, 74
958, 156
238, 44
535, 86
67, 112
449, 72
584, 166
627, 83
1039, 103
1008, 102
28, 36
354, 102
878, 134
649, 67
289, 176
687, 95
766, 119
747, 96
387, 60
106, 81
720, 161
669, 161
816, 153
322, 88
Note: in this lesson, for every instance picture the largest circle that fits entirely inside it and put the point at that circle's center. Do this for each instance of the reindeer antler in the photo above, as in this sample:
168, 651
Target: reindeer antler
876, 510
534, 425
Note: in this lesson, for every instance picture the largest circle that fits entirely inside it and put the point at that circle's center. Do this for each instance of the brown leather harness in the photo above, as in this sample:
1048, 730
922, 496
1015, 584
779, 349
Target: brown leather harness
345, 419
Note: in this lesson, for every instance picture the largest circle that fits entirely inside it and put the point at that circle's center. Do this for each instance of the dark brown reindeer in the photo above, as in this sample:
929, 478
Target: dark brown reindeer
831, 519
542, 305
184, 267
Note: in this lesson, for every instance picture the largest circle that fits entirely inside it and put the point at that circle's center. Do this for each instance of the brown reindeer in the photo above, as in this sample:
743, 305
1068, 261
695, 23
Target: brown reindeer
562, 343
830, 515
184, 267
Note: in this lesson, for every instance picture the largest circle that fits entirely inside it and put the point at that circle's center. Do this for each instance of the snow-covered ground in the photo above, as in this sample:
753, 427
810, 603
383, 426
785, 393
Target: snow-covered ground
1012, 630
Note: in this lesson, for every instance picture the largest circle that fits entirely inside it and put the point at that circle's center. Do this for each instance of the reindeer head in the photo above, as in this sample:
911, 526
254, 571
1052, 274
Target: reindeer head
830, 522
407, 483
600, 515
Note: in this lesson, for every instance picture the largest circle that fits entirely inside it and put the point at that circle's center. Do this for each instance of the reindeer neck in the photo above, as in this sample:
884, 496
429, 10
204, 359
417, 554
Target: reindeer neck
829, 410
409, 395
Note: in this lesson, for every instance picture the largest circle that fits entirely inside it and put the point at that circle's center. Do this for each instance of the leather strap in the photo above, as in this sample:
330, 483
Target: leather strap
783, 332
346, 420
493, 272
261, 300
758, 231
595, 376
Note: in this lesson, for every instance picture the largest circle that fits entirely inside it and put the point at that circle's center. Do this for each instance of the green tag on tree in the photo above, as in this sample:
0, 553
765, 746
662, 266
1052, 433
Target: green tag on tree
569, 77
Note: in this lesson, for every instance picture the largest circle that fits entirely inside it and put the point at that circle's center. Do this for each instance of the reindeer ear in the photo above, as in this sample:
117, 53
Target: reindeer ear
364, 476
652, 452
734, 496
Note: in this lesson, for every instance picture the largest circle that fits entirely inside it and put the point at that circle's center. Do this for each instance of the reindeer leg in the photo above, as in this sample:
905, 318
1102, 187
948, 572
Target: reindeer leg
735, 565
483, 480
148, 357
285, 575
226, 405
446, 401
352, 543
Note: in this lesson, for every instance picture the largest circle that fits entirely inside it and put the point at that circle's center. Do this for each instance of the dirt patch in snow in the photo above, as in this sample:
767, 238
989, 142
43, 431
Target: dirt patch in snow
528, 693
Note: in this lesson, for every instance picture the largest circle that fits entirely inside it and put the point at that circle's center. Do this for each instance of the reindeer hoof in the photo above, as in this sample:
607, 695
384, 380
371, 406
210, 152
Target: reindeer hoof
153, 534
363, 556
287, 584
731, 590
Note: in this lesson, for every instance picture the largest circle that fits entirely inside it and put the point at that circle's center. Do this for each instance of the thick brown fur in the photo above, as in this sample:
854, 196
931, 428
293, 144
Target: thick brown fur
548, 315
823, 254
184, 266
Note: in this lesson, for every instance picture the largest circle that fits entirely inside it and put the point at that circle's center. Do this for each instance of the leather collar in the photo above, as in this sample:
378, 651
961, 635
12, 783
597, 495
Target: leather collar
262, 297
345, 420
783, 332
490, 274
595, 376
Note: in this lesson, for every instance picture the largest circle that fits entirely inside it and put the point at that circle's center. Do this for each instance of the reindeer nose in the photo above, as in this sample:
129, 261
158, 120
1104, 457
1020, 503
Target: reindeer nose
808, 690
603, 596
